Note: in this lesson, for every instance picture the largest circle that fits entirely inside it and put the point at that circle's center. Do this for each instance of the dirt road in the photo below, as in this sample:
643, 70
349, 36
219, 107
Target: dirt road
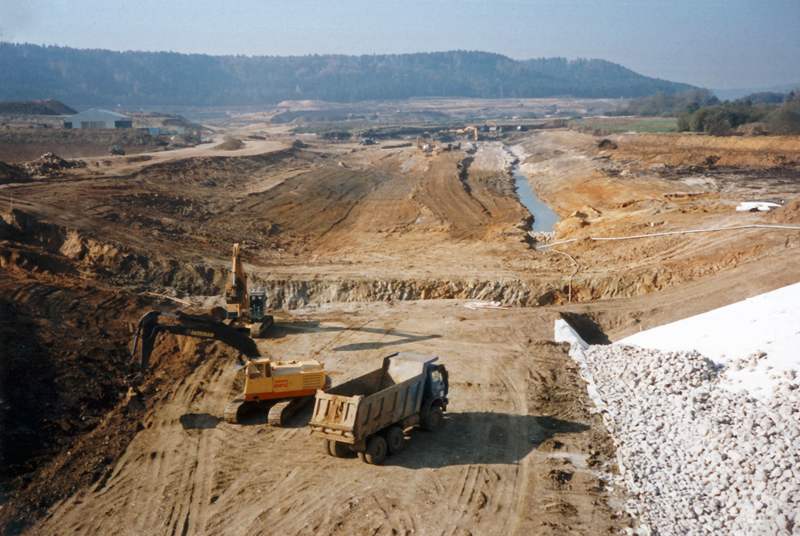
362, 251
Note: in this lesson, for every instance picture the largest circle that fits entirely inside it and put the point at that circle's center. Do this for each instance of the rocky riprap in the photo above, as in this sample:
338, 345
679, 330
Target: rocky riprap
699, 457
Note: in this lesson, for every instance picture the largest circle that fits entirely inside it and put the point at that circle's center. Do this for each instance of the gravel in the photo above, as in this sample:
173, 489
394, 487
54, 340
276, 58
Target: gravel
699, 458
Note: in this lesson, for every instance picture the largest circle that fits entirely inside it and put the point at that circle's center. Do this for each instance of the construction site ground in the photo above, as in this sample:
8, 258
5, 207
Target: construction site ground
363, 251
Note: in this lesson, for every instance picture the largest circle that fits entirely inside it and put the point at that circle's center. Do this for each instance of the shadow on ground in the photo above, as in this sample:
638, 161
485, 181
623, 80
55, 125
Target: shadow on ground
280, 330
479, 438
586, 326
199, 421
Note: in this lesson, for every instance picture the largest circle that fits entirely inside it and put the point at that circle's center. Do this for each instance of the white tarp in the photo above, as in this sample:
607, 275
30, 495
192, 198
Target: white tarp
758, 338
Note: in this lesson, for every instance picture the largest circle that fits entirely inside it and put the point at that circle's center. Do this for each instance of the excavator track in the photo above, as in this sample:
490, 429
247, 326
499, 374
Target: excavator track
282, 412
234, 410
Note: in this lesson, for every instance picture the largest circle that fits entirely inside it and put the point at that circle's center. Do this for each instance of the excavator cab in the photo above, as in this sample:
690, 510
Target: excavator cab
258, 301
258, 379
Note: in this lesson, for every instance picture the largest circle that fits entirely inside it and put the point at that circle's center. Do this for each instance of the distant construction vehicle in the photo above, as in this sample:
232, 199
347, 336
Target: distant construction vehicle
474, 130
369, 414
283, 387
424, 145
249, 308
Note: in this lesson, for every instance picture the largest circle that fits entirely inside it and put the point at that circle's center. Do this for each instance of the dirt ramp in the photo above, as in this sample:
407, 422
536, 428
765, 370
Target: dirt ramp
789, 213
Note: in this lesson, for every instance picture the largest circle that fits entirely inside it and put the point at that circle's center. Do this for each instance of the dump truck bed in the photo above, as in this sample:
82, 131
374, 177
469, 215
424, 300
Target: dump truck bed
357, 409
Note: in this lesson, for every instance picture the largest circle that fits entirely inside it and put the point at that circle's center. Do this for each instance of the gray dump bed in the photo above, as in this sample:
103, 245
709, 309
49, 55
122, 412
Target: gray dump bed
362, 406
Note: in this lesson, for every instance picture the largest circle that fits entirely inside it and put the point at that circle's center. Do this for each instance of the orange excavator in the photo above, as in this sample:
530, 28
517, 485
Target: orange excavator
282, 387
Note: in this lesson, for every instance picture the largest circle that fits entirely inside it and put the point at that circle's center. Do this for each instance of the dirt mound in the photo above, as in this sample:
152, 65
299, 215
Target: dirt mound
10, 173
39, 107
606, 144
51, 163
231, 144
789, 213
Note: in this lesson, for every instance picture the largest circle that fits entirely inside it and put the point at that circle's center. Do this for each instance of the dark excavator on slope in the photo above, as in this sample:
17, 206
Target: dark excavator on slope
243, 306
284, 387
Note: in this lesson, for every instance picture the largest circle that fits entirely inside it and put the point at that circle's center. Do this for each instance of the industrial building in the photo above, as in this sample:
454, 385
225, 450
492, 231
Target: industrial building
98, 119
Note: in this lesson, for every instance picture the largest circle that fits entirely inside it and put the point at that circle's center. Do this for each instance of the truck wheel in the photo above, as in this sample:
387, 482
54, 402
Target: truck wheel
434, 420
376, 450
339, 450
326, 447
395, 440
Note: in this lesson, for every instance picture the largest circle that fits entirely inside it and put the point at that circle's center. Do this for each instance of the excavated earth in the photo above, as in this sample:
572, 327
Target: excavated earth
363, 251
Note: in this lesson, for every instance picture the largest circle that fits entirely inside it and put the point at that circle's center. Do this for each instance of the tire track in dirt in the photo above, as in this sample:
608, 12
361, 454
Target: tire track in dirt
476, 492
448, 198
166, 472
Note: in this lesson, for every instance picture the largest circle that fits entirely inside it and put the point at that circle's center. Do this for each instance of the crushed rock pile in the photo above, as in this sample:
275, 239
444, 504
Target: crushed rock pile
700, 458
50, 163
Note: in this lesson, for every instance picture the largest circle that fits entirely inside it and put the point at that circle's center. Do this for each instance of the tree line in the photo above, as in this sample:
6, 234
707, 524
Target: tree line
104, 77
698, 110
721, 119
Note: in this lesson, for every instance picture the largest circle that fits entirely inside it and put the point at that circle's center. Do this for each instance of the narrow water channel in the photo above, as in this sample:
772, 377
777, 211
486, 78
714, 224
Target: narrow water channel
543, 218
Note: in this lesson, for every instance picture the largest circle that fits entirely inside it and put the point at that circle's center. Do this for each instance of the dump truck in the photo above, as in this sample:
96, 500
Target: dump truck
370, 414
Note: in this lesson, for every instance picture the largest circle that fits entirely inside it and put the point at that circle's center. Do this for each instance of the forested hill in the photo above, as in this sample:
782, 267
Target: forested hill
104, 77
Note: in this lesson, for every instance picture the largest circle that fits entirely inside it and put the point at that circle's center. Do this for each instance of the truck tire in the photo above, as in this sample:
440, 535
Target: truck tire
376, 450
395, 440
434, 419
339, 450
326, 447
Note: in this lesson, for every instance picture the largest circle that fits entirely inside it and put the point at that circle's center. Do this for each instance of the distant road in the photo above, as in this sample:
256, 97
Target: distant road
125, 165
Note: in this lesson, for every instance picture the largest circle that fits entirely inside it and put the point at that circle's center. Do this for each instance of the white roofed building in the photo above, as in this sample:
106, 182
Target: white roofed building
94, 118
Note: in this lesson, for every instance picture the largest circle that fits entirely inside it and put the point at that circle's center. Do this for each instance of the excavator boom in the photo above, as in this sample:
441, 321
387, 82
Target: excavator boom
244, 306
190, 326
236, 288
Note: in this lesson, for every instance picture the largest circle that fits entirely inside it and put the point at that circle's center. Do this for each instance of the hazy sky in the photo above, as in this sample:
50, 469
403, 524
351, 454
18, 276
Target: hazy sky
718, 44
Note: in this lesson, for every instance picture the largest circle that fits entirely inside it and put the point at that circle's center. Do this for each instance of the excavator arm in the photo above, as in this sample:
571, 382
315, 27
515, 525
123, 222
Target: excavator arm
236, 295
307, 375
189, 326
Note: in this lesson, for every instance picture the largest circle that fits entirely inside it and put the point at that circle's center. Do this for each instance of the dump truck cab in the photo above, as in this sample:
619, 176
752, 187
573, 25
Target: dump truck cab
258, 301
436, 388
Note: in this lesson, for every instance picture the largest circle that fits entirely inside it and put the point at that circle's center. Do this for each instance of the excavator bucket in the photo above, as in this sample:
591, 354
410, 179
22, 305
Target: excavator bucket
135, 400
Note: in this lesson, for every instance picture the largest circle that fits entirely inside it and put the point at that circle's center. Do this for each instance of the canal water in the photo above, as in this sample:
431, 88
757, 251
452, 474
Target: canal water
543, 218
